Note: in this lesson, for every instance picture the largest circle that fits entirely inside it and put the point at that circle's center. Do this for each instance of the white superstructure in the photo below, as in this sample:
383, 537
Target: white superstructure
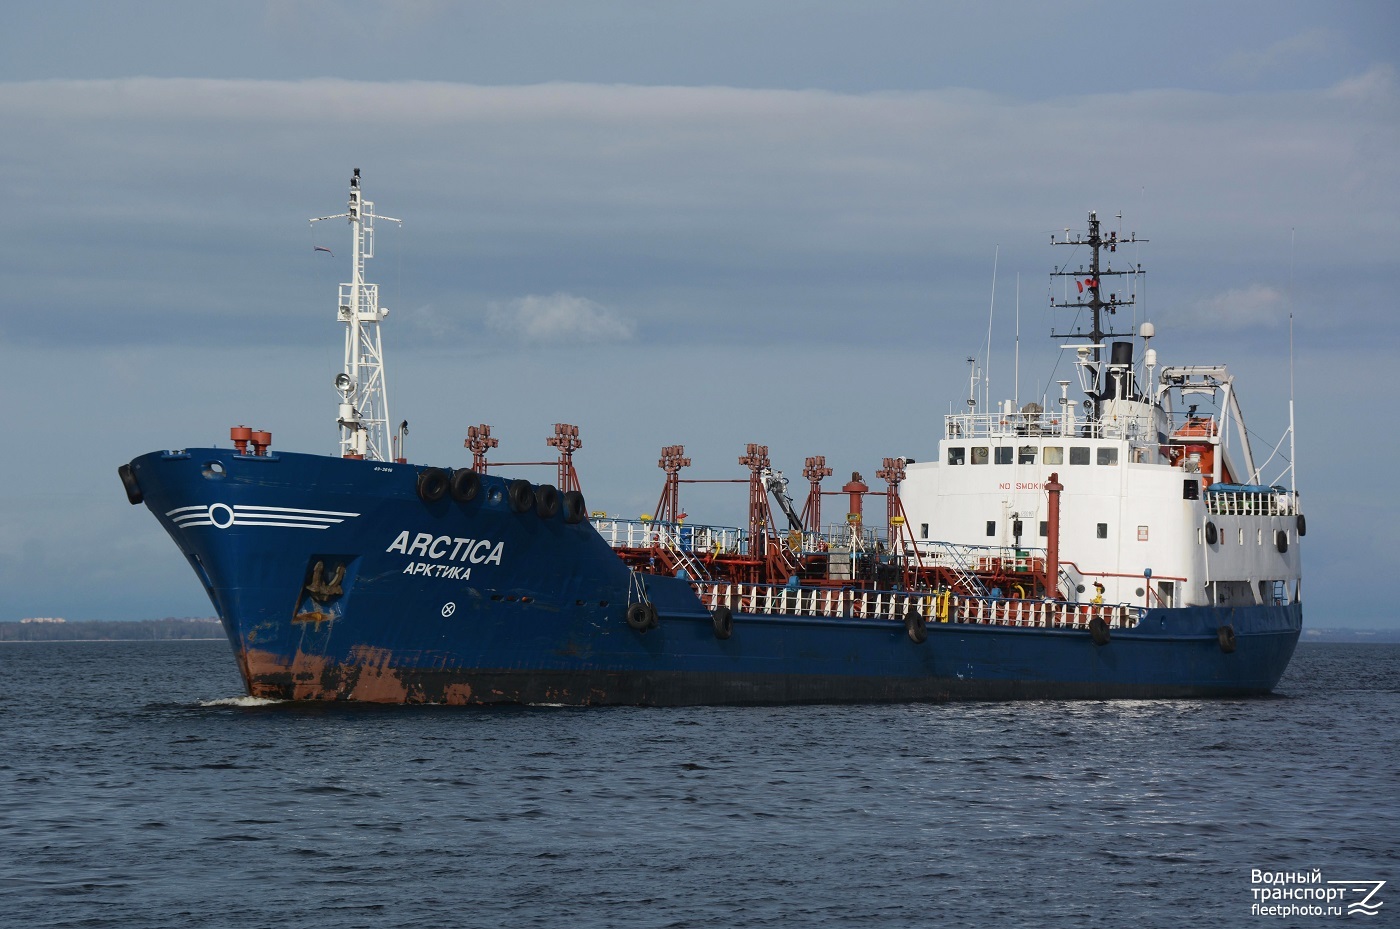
1162, 503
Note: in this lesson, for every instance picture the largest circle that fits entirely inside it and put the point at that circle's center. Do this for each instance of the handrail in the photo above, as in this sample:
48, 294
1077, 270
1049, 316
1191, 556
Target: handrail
1251, 503
892, 605
966, 426
957, 556
644, 533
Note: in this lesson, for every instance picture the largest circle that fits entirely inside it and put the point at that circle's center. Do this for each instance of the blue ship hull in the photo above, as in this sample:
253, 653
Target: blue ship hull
335, 581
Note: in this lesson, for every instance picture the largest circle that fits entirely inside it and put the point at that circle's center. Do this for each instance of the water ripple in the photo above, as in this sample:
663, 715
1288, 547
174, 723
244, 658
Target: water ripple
233, 812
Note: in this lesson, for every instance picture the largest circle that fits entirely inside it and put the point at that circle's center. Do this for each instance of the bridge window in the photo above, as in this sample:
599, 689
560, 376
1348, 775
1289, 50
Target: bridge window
1044, 528
1054, 454
1026, 455
923, 530
1108, 456
957, 455
1079, 455
1103, 530
991, 528
979, 454
1004, 454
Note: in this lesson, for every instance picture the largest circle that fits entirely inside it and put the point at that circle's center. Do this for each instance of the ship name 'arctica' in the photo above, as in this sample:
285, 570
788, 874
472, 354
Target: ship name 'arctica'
448, 548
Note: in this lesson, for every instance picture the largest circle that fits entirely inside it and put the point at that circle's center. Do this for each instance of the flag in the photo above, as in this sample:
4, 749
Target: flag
1089, 282
322, 248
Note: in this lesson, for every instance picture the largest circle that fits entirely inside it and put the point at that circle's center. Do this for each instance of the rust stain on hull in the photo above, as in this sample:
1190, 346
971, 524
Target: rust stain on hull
369, 676
457, 694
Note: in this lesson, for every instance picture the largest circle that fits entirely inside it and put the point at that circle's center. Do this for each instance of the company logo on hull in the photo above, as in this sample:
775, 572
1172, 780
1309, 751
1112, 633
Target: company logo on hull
222, 515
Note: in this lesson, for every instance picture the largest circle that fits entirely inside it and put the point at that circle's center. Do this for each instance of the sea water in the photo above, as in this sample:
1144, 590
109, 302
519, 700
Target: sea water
139, 788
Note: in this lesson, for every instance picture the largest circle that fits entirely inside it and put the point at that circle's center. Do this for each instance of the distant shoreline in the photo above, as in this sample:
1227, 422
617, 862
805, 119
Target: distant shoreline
99, 641
170, 629
1354, 636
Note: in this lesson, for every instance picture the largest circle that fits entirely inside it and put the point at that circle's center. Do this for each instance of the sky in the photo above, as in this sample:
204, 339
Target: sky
705, 224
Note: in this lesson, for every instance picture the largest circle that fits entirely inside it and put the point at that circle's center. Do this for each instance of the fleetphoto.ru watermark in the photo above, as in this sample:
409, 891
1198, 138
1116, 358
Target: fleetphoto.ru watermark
1305, 893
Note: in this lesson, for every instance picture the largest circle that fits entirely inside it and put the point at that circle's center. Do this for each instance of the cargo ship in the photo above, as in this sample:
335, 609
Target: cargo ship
1119, 543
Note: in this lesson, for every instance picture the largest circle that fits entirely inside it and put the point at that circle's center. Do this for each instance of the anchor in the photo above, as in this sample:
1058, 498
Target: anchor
322, 591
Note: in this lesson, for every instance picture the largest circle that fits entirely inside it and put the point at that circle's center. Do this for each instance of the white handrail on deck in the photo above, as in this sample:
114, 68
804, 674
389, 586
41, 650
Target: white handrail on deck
830, 603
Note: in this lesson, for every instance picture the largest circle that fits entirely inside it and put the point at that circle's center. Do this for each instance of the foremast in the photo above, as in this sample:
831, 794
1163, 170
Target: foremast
363, 412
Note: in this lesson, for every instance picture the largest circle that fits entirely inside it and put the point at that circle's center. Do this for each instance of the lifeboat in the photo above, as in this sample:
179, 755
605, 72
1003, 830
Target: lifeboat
1189, 452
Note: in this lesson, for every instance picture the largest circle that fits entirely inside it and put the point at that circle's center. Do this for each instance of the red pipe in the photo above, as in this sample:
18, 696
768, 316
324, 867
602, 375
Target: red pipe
857, 488
1053, 487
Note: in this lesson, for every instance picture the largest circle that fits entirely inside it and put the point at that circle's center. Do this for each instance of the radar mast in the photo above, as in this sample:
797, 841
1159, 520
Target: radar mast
1090, 281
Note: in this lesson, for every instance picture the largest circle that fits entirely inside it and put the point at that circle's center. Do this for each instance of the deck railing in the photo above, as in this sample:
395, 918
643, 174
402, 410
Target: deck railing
892, 605
643, 533
1251, 503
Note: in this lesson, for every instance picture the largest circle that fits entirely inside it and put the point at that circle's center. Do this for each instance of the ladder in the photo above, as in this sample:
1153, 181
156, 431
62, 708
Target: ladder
957, 563
667, 538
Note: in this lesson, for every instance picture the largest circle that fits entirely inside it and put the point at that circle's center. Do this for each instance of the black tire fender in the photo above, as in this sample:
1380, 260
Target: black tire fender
1099, 631
1225, 635
641, 616
574, 510
522, 496
130, 485
916, 627
1281, 540
723, 620
546, 501
1302, 525
465, 485
1212, 535
432, 484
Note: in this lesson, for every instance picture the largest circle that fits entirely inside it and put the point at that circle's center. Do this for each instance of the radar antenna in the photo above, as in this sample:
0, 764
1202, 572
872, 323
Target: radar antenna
363, 414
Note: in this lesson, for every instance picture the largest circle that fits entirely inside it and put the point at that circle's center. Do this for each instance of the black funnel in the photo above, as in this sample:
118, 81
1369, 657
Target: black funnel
1120, 379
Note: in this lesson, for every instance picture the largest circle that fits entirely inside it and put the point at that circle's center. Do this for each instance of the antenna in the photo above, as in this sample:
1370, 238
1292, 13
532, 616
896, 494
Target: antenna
363, 414
1292, 436
987, 370
1016, 385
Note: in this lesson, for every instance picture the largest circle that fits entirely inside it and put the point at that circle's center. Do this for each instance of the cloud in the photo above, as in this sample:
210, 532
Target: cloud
1242, 308
715, 212
1284, 55
1376, 85
435, 326
559, 317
